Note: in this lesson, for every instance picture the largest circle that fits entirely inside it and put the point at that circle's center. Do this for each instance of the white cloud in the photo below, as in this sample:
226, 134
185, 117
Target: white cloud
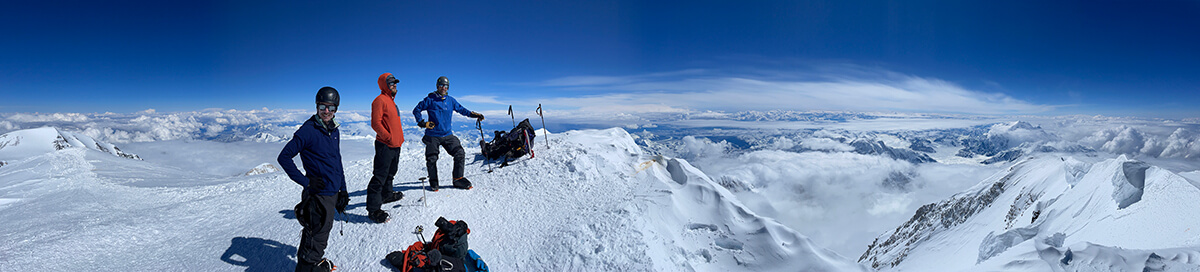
696, 91
485, 99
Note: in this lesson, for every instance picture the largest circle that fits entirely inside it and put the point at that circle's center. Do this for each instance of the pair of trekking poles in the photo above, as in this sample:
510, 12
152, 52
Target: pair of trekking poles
479, 126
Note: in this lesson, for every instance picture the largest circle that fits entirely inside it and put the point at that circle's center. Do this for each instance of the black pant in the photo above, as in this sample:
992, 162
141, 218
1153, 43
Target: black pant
380, 187
315, 237
452, 146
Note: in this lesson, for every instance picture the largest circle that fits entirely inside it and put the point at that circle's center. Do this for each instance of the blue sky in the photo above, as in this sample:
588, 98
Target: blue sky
1119, 58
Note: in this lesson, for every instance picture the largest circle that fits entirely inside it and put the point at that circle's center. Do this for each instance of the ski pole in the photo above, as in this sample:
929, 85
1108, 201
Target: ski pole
547, 136
510, 115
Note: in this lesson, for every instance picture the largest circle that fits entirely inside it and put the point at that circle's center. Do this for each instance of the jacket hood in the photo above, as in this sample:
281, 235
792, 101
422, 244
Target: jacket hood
383, 86
435, 95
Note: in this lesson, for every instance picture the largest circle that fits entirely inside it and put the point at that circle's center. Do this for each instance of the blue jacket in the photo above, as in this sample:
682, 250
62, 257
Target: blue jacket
321, 155
439, 109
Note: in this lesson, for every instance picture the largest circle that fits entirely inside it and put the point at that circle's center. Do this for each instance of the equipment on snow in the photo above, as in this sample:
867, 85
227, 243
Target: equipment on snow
424, 200
448, 251
539, 113
510, 115
511, 144
479, 126
328, 95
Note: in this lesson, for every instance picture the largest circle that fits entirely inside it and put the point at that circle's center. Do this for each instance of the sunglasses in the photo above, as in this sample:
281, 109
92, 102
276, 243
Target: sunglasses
330, 108
392, 80
444, 85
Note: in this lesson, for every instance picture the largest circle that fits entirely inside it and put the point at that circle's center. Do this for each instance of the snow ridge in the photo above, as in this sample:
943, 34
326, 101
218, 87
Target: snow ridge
1067, 215
30, 142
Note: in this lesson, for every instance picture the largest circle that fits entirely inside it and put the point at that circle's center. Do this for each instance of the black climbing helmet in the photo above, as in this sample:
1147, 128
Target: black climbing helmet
443, 81
328, 95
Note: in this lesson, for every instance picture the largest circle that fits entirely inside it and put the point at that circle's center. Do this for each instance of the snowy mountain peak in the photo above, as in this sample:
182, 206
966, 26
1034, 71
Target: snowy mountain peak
1016, 125
31, 142
1040, 213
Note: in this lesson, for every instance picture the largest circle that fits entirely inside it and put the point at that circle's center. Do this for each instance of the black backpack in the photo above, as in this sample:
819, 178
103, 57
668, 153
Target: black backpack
447, 251
512, 144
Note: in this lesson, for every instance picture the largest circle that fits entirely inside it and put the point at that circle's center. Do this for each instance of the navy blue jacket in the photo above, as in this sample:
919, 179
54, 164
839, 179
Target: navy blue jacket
439, 109
321, 155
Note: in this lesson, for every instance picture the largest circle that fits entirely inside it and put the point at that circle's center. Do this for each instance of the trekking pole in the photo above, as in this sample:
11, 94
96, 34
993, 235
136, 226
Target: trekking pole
479, 126
547, 136
510, 115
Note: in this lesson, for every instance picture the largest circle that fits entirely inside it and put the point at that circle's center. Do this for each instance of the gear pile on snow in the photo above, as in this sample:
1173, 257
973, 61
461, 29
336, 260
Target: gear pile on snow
448, 251
510, 144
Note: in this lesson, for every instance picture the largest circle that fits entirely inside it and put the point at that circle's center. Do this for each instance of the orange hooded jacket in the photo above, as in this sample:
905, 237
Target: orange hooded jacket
385, 117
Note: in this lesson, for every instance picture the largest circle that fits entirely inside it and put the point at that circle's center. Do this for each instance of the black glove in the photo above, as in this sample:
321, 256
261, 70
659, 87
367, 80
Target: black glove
343, 201
424, 124
477, 115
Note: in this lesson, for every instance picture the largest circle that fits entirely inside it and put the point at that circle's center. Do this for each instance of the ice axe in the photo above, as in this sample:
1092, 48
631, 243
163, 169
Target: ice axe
479, 126
420, 232
539, 113
424, 197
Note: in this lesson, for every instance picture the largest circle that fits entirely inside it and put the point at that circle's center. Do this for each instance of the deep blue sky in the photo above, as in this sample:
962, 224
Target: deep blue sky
1134, 58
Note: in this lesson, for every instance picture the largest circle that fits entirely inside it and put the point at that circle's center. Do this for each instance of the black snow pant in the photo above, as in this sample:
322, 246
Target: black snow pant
386, 161
452, 146
315, 235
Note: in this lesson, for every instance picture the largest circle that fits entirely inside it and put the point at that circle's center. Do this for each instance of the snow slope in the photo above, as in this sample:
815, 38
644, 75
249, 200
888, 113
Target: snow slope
31, 142
592, 201
1052, 213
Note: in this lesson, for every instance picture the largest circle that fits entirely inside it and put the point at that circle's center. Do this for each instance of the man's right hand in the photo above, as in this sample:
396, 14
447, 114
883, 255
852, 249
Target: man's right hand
428, 125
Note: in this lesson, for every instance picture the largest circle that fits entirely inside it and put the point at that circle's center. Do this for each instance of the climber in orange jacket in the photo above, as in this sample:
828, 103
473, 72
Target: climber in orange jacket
389, 135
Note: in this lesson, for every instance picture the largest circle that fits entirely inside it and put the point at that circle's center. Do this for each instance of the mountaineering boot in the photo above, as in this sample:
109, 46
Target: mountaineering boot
462, 183
433, 186
395, 196
324, 266
379, 216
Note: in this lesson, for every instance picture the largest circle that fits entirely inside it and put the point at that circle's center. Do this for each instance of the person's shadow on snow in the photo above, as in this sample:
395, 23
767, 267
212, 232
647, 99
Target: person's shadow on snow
258, 254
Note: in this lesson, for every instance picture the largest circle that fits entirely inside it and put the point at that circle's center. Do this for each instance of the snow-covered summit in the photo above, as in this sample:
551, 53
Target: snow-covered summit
1051, 213
31, 142
591, 201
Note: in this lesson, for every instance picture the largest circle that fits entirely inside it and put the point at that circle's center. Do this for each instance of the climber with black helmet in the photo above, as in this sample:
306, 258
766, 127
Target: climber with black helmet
317, 143
439, 105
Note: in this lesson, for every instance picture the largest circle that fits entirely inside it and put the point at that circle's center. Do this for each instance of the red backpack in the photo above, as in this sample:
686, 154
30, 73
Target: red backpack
446, 252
